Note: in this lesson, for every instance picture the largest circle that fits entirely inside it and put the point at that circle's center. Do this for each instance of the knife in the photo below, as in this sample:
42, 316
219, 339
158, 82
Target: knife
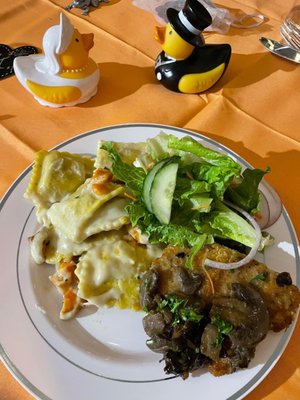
281, 50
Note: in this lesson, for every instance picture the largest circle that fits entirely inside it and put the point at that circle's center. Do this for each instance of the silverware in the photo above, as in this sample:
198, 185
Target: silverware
281, 50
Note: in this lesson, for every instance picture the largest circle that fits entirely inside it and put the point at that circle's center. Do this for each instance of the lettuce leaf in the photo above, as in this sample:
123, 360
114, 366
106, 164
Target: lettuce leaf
176, 235
139, 214
218, 177
246, 194
158, 148
189, 188
173, 233
229, 224
132, 176
210, 156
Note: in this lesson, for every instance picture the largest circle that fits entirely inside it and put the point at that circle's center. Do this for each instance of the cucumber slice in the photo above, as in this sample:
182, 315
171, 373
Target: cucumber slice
149, 181
162, 190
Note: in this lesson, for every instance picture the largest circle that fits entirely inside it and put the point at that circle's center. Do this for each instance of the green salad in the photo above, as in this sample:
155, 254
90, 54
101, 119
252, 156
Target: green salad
183, 193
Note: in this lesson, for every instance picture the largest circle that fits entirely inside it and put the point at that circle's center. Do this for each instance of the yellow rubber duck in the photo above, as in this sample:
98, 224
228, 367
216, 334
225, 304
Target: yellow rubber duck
187, 64
64, 75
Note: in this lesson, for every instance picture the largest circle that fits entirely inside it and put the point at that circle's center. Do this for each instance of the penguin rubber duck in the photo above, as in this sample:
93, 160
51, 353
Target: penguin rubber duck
187, 64
64, 75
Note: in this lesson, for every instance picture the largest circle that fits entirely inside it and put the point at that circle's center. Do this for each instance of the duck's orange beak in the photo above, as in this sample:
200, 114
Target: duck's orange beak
159, 34
88, 40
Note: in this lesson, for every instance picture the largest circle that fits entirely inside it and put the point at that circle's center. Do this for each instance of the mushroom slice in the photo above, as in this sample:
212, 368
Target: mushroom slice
246, 312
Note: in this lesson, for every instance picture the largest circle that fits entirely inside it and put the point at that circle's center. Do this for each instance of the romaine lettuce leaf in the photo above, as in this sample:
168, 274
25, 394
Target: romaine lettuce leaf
208, 155
132, 176
176, 235
218, 177
139, 214
222, 219
173, 233
246, 194
188, 188
158, 148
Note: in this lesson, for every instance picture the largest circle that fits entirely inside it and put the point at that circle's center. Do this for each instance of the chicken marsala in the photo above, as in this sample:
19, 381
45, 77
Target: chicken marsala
203, 316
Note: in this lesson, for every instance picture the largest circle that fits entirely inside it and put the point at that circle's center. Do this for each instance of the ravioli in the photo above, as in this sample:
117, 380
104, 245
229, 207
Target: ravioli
82, 213
47, 246
85, 228
55, 175
109, 272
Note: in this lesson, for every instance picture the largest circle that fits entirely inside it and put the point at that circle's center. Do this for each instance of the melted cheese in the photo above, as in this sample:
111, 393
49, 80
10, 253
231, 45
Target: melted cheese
82, 214
47, 246
109, 272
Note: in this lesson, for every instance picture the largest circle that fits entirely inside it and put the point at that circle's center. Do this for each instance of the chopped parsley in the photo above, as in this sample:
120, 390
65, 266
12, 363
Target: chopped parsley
146, 283
224, 328
260, 277
181, 311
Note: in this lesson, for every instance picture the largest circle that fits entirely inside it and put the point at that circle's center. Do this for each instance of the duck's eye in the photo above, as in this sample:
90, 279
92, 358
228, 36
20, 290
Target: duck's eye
170, 32
76, 40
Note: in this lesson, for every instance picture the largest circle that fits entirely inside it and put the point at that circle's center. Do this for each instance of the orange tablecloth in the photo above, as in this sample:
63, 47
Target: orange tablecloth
254, 110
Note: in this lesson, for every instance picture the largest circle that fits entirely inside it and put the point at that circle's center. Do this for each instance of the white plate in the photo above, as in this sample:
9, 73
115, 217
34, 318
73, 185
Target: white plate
102, 353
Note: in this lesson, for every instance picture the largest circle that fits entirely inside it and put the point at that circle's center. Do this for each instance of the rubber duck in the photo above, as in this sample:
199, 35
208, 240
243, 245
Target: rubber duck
64, 75
186, 64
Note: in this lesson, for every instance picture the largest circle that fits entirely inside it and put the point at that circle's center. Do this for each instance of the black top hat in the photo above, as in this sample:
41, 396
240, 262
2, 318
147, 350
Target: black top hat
190, 21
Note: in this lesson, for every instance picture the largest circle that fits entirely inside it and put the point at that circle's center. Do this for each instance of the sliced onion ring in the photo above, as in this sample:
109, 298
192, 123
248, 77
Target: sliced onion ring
271, 206
249, 257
